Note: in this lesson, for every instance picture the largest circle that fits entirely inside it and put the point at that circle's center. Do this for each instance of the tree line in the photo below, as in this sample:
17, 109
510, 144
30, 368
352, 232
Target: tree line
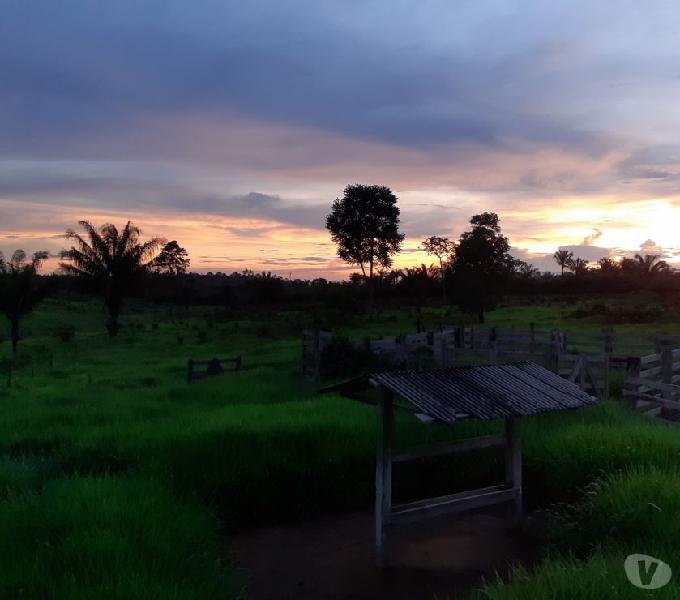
472, 272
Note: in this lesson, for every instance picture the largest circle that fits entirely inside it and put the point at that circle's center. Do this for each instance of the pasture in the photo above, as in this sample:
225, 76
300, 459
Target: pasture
118, 479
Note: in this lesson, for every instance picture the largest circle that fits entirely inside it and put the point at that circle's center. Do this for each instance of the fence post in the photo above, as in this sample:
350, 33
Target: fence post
532, 338
443, 350
605, 375
190, 370
317, 356
553, 358
667, 371
608, 340
632, 372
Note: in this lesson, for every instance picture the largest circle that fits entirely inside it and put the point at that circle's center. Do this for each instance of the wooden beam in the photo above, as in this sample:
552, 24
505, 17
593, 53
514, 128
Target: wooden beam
513, 464
383, 474
453, 503
484, 441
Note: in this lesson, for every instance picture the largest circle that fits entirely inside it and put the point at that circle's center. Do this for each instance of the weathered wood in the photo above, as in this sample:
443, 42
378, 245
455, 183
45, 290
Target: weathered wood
453, 503
667, 371
212, 367
476, 443
513, 465
383, 475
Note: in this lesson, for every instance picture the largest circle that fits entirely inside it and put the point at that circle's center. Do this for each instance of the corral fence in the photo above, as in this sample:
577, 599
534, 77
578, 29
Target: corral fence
652, 382
200, 369
583, 357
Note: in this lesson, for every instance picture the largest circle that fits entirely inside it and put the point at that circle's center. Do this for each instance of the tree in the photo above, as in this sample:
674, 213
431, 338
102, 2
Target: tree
173, 260
443, 248
482, 265
563, 258
608, 265
20, 290
364, 223
645, 265
111, 261
526, 270
578, 266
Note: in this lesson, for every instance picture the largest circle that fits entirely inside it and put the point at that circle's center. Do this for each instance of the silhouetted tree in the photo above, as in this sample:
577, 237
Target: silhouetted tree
608, 265
20, 290
481, 265
646, 265
112, 261
420, 281
443, 248
172, 260
364, 223
526, 270
563, 258
578, 266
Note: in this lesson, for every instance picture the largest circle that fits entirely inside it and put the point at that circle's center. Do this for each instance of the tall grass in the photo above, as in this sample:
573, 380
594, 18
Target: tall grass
116, 471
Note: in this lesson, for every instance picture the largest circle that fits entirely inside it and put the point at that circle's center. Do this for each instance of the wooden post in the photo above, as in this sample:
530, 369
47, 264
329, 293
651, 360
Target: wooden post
667, 371
582, 372
605, 375
317, 356
190, 370
608, 335
443, 354
513, 465
632, 372
532, 338
493, 347
383, 475
553, 358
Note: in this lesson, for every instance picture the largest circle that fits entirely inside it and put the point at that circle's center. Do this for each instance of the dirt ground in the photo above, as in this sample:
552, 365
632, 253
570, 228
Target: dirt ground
332, 559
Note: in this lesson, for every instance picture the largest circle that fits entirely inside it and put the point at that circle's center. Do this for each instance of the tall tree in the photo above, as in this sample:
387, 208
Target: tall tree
172, 260
111, 261
443, 248
364, 224
481, 265
20, 290
563, 258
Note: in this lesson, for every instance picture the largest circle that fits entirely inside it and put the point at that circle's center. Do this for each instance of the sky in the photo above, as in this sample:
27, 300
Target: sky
232, 126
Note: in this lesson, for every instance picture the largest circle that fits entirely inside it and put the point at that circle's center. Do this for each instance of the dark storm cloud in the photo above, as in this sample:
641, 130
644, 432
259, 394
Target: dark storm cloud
80, 71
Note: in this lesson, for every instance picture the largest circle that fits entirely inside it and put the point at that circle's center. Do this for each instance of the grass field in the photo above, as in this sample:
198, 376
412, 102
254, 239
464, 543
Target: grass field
118, 479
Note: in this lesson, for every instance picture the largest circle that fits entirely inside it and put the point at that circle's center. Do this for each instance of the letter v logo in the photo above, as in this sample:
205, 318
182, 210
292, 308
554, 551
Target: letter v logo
647, 572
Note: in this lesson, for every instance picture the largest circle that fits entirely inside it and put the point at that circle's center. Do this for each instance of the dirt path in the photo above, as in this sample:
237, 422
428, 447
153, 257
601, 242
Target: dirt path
332, 558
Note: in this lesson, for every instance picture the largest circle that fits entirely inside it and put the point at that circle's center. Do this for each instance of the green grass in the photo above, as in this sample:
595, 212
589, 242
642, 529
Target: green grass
118, 477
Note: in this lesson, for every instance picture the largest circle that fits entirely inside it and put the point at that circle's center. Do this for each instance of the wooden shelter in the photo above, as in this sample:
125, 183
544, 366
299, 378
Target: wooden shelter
488, 392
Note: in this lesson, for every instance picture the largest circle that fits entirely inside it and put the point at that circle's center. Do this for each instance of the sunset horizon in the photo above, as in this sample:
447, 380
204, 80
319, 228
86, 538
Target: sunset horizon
202, 126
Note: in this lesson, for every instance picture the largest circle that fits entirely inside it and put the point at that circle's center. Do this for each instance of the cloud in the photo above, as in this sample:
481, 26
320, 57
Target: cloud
589, 239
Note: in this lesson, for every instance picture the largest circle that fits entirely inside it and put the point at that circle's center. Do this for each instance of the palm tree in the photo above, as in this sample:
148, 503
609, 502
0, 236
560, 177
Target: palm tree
563, 258
111, 261
20, 291
650, 263
526, 270
578, 266
443, 248
608, 265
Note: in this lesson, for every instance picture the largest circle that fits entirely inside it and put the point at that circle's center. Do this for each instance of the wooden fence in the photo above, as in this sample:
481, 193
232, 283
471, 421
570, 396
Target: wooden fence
200, 369
653, 380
